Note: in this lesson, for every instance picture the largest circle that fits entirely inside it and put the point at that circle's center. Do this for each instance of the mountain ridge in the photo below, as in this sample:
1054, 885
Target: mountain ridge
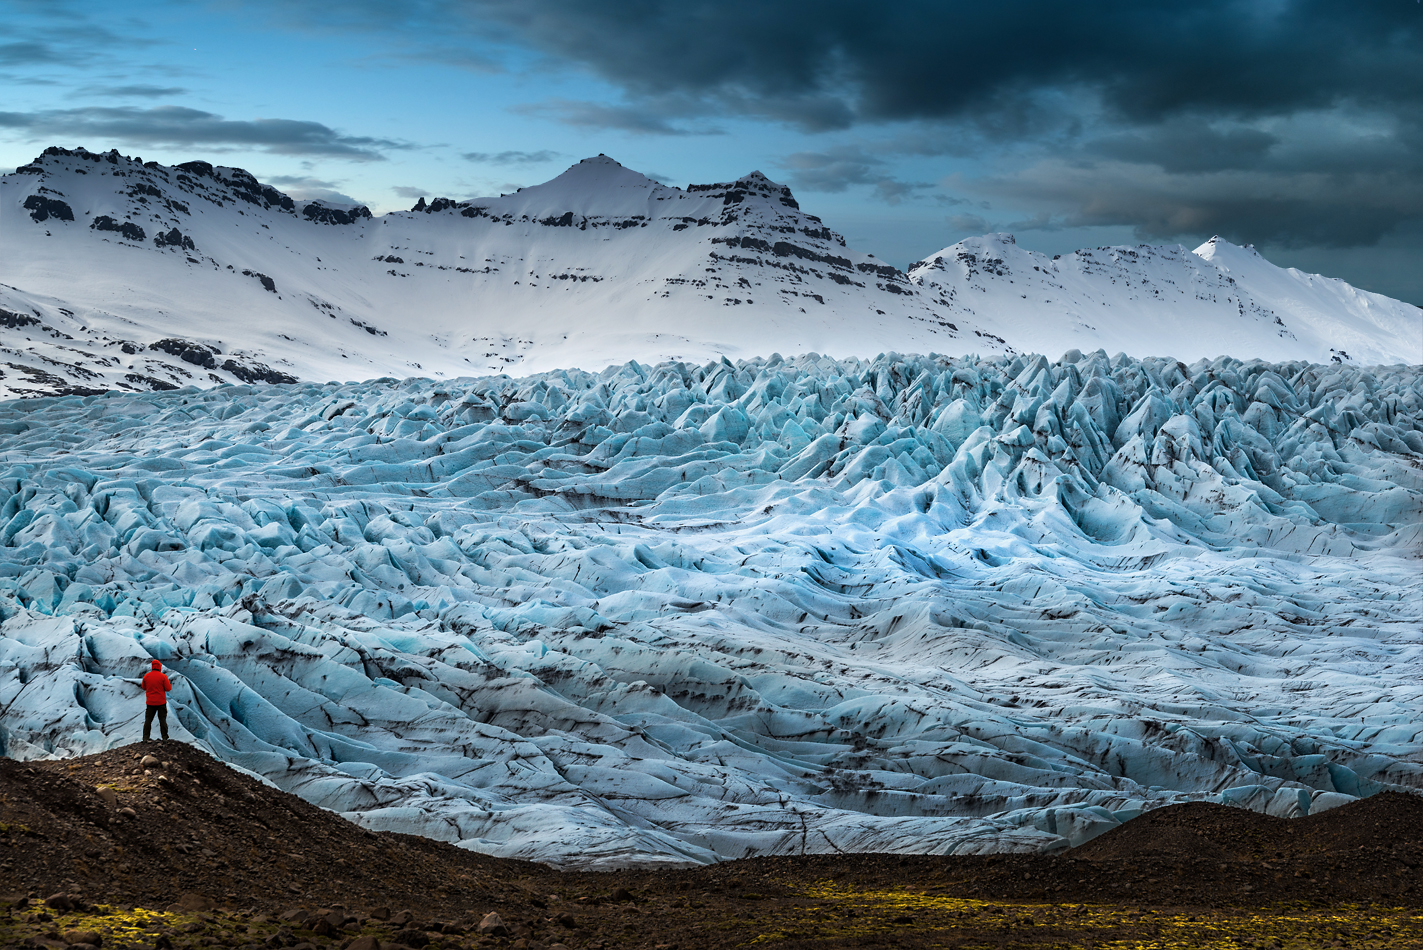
200, 274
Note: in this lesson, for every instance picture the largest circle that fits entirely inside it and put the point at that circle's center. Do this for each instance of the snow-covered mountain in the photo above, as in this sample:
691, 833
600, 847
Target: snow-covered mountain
1163, 299
136, 275
115, 273
688, 612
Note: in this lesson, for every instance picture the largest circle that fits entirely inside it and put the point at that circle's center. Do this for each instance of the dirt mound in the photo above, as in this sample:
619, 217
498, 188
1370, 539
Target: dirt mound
151, 821
1388, 822
1389, 818
1195, 829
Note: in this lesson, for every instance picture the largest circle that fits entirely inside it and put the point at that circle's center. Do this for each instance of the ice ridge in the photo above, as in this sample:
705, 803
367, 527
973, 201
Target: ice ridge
682, 613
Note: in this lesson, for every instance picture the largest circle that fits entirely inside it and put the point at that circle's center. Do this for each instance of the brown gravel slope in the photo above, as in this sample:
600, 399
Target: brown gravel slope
107, 829
197, 825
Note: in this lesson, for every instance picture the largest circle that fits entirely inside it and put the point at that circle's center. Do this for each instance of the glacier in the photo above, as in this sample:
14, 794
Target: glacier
689, 612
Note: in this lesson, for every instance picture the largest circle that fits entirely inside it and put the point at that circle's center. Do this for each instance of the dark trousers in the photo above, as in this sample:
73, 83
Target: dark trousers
161, 711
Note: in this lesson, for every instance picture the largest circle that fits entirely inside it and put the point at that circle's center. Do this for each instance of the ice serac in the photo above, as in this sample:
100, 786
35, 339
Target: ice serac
1220, 299
598, 266
683, 612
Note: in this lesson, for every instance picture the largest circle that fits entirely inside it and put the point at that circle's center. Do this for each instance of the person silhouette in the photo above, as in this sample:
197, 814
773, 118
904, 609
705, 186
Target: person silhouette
156, 685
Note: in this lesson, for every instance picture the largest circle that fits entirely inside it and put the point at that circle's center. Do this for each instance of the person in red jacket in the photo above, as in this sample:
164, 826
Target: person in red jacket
156, 685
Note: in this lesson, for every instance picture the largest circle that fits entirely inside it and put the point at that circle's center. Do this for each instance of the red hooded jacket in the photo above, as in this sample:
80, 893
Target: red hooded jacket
156, 685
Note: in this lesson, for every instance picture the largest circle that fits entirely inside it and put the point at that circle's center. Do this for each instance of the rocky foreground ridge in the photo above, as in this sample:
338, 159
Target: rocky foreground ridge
157, 845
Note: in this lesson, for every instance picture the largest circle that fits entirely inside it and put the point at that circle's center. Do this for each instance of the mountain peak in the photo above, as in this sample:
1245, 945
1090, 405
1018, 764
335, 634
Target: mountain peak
1219, 251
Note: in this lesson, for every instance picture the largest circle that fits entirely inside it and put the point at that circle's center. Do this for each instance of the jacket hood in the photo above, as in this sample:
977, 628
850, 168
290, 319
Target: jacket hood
158, 664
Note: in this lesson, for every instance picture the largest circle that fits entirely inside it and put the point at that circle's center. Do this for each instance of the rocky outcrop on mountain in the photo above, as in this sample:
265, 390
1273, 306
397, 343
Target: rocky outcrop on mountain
322, 213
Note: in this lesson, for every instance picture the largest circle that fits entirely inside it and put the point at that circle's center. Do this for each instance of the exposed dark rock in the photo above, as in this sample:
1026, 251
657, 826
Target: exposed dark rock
786, 249
267, 282
319, 213
13, 320
750, 243
188, 352
128, 229
373, 331
200, 169
564, 221
174, 238
242, 185
254, 372
42, 209
881, 270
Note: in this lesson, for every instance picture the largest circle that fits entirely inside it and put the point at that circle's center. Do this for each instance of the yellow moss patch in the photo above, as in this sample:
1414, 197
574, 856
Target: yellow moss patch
121, 929
880, 915
137, 929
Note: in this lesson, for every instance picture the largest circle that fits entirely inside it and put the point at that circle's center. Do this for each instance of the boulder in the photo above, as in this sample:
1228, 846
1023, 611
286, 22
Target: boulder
492, 926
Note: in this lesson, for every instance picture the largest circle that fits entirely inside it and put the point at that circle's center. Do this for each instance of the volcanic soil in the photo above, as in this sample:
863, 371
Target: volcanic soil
159, 845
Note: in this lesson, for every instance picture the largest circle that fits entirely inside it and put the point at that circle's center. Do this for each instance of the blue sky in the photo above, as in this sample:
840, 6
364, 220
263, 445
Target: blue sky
1294, 126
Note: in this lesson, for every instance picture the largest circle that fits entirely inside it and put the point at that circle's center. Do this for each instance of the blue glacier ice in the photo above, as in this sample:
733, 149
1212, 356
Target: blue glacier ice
683, 613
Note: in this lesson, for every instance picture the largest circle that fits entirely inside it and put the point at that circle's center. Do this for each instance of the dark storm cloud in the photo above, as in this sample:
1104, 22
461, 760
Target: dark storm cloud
1173, 95
1190, 145
837, 169
511, 158
1283, 209
935, 59
175, 125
